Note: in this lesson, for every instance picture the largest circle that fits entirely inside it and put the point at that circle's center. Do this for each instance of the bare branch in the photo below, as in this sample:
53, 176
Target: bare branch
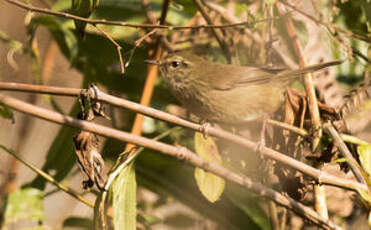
118, 47
321, 177
178, 152
345, 151
120, 23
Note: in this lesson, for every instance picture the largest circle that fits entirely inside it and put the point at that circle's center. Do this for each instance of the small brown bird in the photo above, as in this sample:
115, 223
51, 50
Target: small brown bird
225, 93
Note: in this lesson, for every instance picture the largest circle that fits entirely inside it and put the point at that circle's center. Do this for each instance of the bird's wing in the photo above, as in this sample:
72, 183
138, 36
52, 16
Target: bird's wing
243, 75
226, 77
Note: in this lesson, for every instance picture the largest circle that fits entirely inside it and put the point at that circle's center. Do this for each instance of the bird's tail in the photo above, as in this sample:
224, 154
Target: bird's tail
308, 69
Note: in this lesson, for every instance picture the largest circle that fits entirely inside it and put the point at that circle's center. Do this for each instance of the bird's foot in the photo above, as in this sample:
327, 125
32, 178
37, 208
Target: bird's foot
204, 128
260, 146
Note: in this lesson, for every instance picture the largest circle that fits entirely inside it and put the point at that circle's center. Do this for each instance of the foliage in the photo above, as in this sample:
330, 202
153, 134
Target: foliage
24, 204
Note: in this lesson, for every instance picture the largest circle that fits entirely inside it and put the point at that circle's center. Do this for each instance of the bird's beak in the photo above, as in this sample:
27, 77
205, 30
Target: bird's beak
153, 62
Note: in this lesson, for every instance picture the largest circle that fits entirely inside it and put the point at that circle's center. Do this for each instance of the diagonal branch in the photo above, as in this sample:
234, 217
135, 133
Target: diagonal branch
329, 128
178, 152
321, 177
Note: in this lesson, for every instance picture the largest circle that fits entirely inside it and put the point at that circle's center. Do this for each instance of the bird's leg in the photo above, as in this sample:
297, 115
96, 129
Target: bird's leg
262, 142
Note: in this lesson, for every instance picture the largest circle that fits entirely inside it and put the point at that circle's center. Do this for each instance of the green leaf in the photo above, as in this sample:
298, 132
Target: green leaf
6, 113
211, 186
123, 193
24, 204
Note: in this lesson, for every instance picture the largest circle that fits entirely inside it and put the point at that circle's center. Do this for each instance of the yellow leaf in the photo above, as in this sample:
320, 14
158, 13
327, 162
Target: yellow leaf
211, 186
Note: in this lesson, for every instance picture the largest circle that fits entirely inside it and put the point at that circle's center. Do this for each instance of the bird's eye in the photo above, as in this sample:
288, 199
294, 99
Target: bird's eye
175, 64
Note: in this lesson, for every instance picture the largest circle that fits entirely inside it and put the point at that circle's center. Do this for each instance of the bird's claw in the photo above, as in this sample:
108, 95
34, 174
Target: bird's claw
260, 146
204, 129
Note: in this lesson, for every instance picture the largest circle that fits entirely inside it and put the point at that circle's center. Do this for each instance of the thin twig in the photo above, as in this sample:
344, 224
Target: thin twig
137, 43
217, 33
252, 35
48, 178
294, 129
321, 177
329, 128
178, 152
120, 23
118, 47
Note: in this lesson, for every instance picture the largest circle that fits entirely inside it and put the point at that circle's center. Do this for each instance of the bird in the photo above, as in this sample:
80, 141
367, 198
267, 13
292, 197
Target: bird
227, 93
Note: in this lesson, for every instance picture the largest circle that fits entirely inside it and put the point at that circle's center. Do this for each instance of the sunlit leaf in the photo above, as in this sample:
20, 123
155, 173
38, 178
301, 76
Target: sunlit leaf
24, 204
211, 186
123, 192
364, 152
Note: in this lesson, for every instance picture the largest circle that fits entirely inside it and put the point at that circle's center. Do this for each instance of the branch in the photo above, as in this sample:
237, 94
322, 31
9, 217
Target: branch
308, 81
251, 34
321, 177
178, 152
120, 23
217, 33
118, 47
345, 151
